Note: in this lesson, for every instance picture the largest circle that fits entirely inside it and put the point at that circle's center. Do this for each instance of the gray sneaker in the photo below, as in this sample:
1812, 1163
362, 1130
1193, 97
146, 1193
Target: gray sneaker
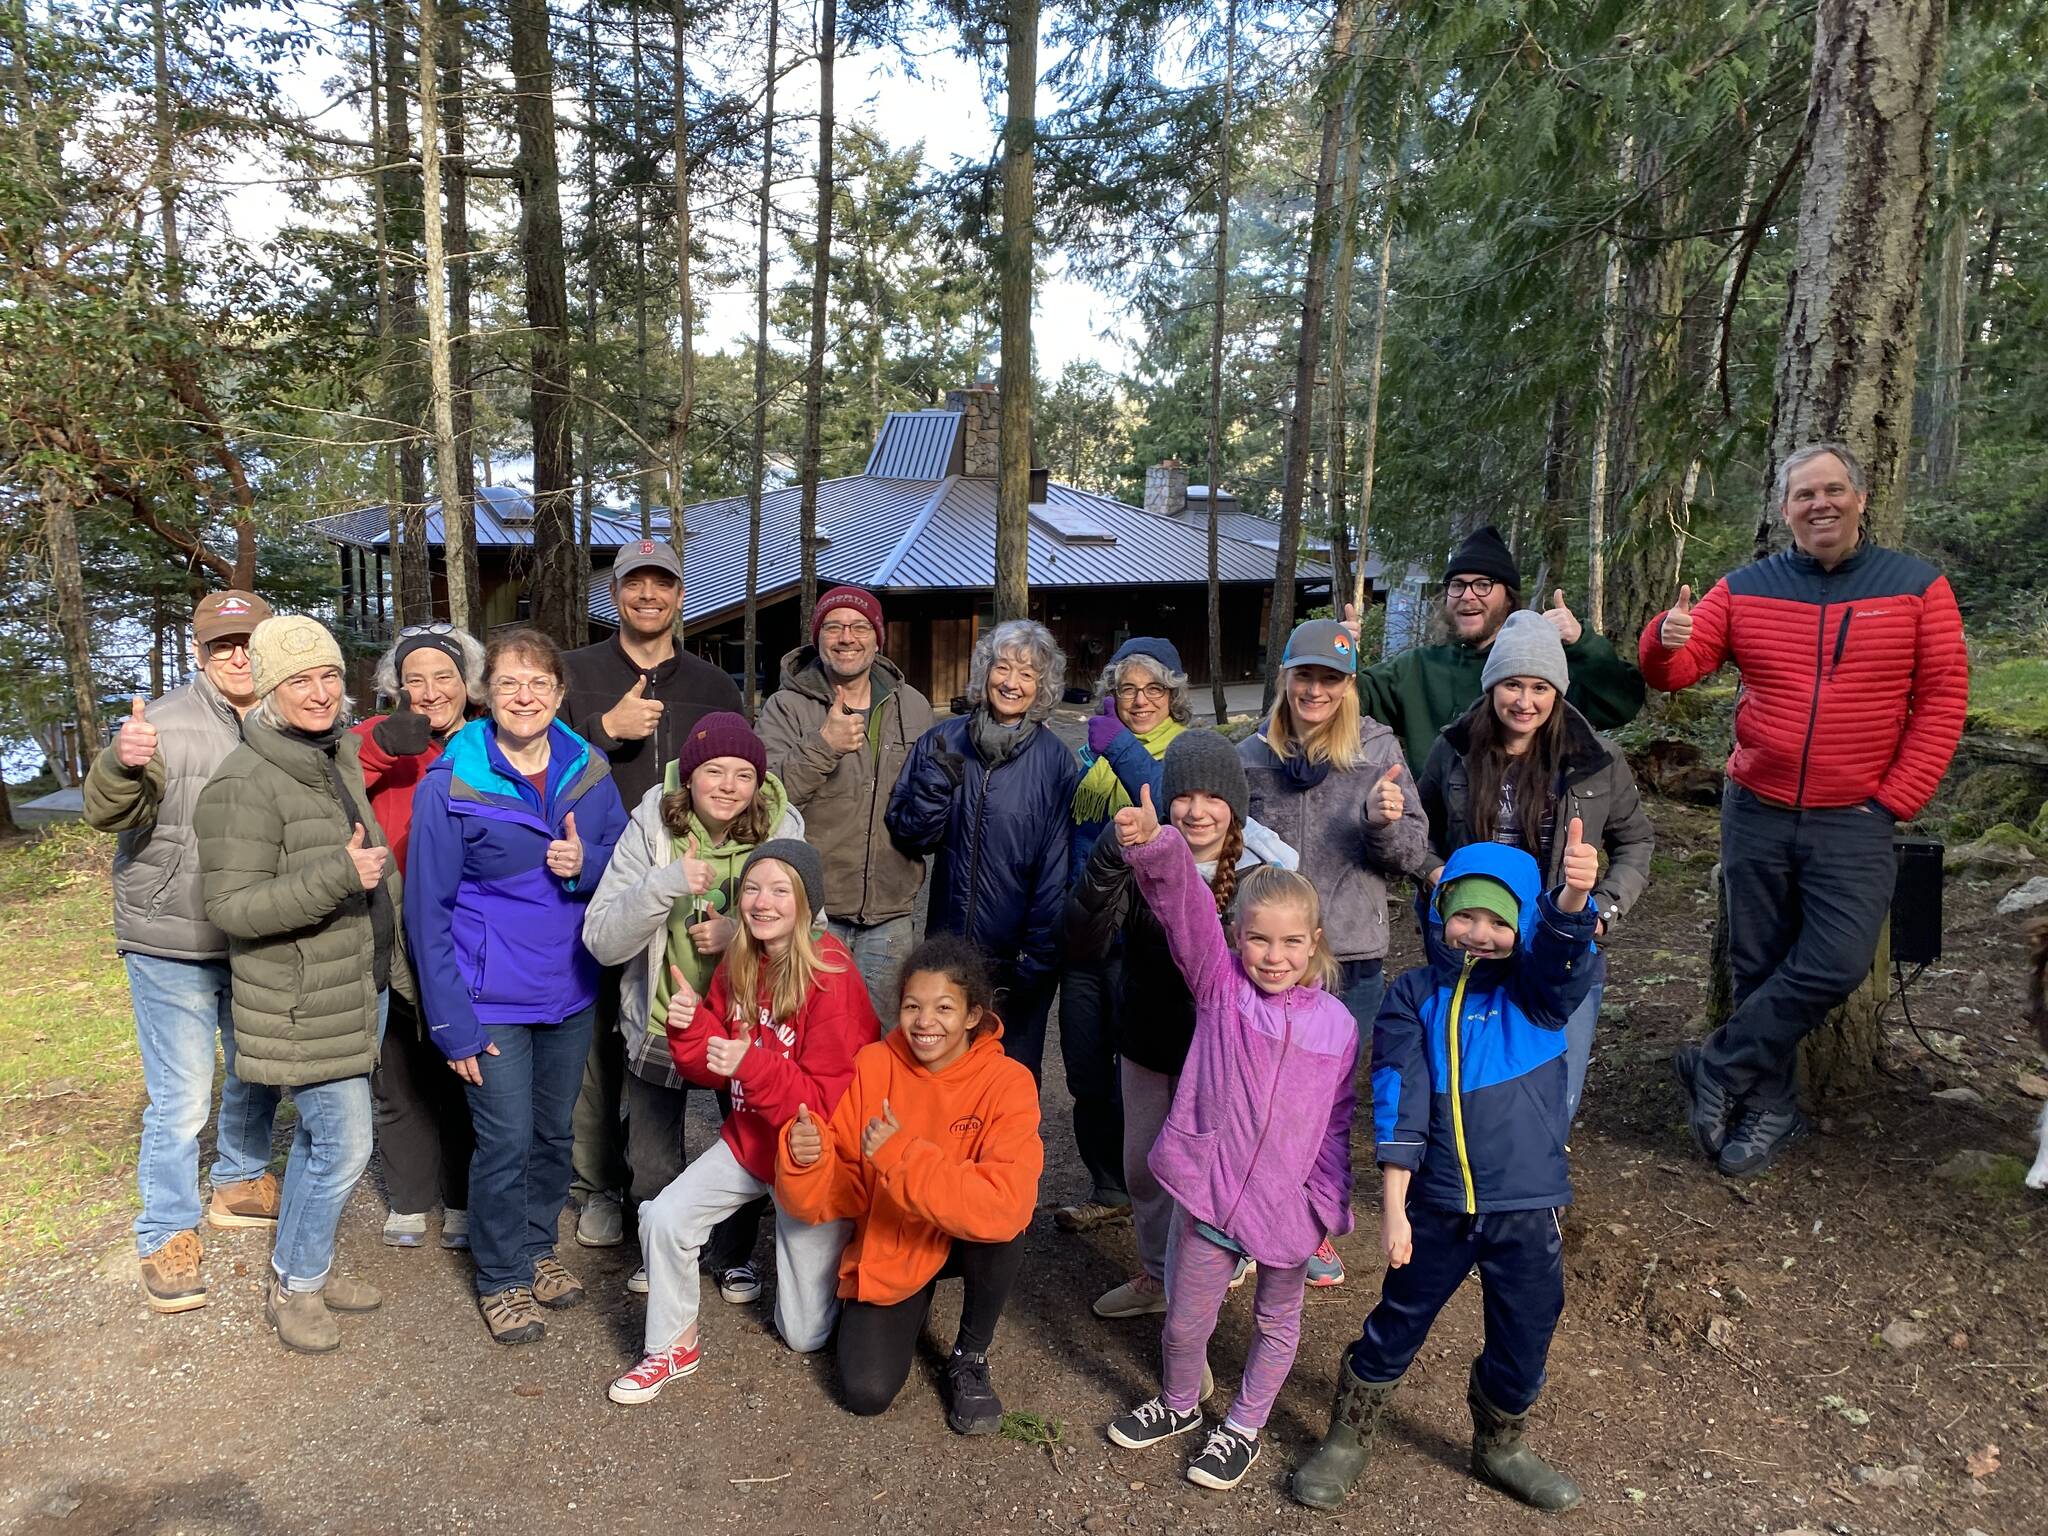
1708, 1106
602, 1221
1757, 1139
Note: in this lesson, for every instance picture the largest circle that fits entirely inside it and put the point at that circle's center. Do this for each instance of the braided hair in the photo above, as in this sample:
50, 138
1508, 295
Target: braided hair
1224, 881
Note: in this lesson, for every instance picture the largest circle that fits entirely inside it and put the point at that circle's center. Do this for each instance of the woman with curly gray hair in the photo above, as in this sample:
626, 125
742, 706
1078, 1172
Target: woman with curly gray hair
434, 674
990, 792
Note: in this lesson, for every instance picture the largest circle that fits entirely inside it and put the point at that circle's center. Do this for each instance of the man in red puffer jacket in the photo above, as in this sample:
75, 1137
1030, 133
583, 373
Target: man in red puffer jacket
1854, 681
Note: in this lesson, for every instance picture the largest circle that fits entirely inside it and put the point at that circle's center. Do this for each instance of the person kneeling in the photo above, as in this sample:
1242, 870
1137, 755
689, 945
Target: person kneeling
784, 1017
1468, 1101
935, 1152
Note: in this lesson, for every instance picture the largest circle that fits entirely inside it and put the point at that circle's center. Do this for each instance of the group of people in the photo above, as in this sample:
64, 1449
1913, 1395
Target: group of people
516, 919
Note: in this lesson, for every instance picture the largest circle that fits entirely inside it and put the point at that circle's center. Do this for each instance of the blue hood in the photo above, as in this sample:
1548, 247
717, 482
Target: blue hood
1512, 867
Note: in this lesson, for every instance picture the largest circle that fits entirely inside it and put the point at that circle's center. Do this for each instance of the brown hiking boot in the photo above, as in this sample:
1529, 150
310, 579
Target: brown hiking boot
554, 1286
170, 1276
301, 1319
511, 1315
251, 1203
343, 1294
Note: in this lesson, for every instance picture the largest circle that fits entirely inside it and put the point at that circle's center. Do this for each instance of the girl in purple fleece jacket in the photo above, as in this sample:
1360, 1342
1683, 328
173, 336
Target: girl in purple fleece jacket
1256, 1150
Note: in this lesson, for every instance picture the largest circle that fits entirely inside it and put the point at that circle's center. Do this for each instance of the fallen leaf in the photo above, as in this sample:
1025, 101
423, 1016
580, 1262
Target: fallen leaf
1982, 1462
1959, 1340
528, 1389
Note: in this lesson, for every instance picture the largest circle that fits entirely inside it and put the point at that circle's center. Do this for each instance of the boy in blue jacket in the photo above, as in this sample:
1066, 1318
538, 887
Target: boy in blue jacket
1468, 1084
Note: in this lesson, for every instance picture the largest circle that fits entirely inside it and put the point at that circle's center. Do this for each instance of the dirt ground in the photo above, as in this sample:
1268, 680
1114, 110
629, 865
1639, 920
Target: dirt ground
1719, 1368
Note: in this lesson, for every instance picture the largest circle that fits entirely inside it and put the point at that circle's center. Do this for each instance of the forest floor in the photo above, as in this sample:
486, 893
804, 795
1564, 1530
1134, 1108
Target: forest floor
1854, 1343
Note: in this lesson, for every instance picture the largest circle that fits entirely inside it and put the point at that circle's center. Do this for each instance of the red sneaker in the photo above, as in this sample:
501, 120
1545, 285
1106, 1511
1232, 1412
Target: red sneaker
1324, 1267
644, 1382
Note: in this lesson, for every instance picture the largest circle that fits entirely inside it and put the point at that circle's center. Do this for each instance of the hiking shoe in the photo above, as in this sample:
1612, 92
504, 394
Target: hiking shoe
1088, 1215
170, 1276
343, 1293
251, 1203
1223, 1461
554, 1286
1708, 1106
301, 1319
1139, 1296
402, 1231
1247, 1267
740, 1284
644, 1382
1151, 1422
512, 1315
1757, 1138
972, 1407
455, 1230
636, 1283
602, 1222
1324, 1267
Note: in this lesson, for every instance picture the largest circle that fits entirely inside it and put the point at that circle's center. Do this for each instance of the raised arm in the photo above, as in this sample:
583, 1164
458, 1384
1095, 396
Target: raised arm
1184, 905
922, 801
1692, 645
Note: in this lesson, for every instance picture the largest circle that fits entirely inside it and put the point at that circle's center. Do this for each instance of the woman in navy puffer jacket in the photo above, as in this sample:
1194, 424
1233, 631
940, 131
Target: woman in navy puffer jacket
991, 793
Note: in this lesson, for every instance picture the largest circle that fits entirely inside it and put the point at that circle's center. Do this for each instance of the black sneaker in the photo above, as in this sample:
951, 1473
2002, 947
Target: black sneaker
1222, 1463
1151, 1422
972, 1407
1708, 1107
1757, 1139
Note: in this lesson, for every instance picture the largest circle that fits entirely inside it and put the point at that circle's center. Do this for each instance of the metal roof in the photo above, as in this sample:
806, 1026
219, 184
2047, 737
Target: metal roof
914, 445
504, 520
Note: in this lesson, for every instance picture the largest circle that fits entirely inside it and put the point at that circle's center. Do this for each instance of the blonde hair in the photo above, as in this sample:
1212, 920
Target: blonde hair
1335, 741
1271, 886
790, 979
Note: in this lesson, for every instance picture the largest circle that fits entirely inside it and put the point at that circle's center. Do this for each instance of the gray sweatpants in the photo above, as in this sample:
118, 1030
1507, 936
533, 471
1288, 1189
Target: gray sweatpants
1148, 1095
675, 1224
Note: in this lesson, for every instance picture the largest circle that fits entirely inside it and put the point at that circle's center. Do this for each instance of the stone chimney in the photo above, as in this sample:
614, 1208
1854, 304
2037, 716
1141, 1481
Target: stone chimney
981, 418
1166, 488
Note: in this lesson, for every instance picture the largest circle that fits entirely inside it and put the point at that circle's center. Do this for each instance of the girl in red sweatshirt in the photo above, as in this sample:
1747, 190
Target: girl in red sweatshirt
934, 1154
785, 1012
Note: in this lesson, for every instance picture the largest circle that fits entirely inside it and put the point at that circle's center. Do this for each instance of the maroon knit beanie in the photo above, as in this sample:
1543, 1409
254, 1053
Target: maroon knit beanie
720, 734
859, 599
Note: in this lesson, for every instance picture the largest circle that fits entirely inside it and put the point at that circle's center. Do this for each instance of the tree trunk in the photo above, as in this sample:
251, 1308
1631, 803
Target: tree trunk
556, 553
404, 219
1013, 437
1308, 346
1852, 307
458, 539
586, 404
1372, 374
464, 576
821, 277
165, 176
1951, 298
1557, 479
750, 626
1216, 333
686, 322
645, 494
74, 624
1338, 404
1603, 420
380, 225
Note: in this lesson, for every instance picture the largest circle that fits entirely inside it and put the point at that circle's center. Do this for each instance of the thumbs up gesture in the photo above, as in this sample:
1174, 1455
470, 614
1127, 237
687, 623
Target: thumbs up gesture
1351, 623
405, 732
135, 742
1677, 627
1384, 802
682, 1002
879, 1130
1138, 823
635, 716
724, 1053
1562, 618
369, 862
1581, 868
565, 853
806, 1145
698, 874
844, 729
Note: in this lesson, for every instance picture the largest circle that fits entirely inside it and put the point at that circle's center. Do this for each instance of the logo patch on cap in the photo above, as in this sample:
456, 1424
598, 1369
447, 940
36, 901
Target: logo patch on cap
647, 546
1342, 645
231, 606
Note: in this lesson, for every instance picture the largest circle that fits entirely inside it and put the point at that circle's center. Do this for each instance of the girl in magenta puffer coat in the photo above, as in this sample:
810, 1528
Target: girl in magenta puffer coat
1256, 1150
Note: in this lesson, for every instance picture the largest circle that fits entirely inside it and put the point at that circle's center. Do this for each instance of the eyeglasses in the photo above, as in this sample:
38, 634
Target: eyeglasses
1131, 693
512, 687
859, 629
223, 650
437, 628
1478, 586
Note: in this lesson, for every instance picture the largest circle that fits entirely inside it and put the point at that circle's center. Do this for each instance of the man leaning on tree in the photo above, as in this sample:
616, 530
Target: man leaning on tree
1854, 680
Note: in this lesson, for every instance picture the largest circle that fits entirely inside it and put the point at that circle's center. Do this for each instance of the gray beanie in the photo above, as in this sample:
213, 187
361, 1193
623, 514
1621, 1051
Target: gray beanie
801, 857
1527, 645
1205, 763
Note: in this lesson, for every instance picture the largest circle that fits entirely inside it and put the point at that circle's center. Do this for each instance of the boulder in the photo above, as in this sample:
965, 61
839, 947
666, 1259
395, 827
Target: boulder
2030, 897
2002, 850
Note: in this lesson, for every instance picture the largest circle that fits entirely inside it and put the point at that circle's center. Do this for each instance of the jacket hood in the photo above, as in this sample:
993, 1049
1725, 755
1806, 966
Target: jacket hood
671, 781
802, 674
1583, 750
1512, 867
983, 1052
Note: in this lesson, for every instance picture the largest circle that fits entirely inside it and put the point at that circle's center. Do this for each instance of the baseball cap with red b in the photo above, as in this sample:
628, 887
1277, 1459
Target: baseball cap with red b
645, 554
222, 614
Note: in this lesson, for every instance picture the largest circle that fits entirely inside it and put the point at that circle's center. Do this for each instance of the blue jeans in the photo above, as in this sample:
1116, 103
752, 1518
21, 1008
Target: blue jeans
1361, 989
878, 950
519, 1174
180, 1005
330, 1150
1578, 1048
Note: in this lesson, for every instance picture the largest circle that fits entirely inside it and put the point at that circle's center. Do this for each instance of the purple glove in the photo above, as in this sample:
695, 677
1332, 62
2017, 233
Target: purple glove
1102, 730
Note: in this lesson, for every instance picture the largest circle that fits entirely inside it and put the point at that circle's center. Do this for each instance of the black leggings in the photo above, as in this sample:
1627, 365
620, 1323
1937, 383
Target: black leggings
876, 1342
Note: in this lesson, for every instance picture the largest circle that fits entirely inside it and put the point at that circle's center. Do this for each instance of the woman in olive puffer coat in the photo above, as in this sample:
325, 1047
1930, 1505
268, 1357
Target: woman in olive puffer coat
295, 873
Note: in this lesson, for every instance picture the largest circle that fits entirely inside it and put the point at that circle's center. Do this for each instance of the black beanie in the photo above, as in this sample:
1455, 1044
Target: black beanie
1204, 762
804, 862
1485, 553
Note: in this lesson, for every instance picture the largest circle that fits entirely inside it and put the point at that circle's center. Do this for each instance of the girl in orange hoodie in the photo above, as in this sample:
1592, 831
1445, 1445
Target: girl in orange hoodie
934, 1154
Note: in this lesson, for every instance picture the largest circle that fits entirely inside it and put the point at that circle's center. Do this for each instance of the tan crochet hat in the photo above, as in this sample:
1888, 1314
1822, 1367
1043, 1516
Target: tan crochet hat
286, 646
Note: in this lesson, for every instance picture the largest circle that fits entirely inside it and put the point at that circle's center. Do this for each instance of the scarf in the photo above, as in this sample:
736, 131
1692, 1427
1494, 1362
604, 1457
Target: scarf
996, 744
1102, 793
1300, 774
722, 900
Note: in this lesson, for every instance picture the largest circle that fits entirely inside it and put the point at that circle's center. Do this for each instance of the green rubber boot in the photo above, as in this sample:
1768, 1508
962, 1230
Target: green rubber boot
1333, 1469
1502, 1458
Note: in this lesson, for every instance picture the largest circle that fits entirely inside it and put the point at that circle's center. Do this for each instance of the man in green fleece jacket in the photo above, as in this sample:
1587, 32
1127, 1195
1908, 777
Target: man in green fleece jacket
1421, 691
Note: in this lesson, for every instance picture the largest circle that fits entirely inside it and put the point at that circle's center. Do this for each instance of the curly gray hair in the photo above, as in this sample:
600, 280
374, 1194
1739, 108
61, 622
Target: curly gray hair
472, 649
1030, 641
1178, 704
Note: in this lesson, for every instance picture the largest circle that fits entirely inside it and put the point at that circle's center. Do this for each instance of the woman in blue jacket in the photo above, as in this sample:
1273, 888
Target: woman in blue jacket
991, 792
512, 827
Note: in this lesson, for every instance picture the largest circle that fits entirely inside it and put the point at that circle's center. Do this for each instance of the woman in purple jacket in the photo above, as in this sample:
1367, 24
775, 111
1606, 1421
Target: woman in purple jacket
512, 827
1256, 1150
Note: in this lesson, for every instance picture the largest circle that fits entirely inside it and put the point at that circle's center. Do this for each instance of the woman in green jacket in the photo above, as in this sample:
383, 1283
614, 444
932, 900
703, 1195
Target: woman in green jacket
294, 869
